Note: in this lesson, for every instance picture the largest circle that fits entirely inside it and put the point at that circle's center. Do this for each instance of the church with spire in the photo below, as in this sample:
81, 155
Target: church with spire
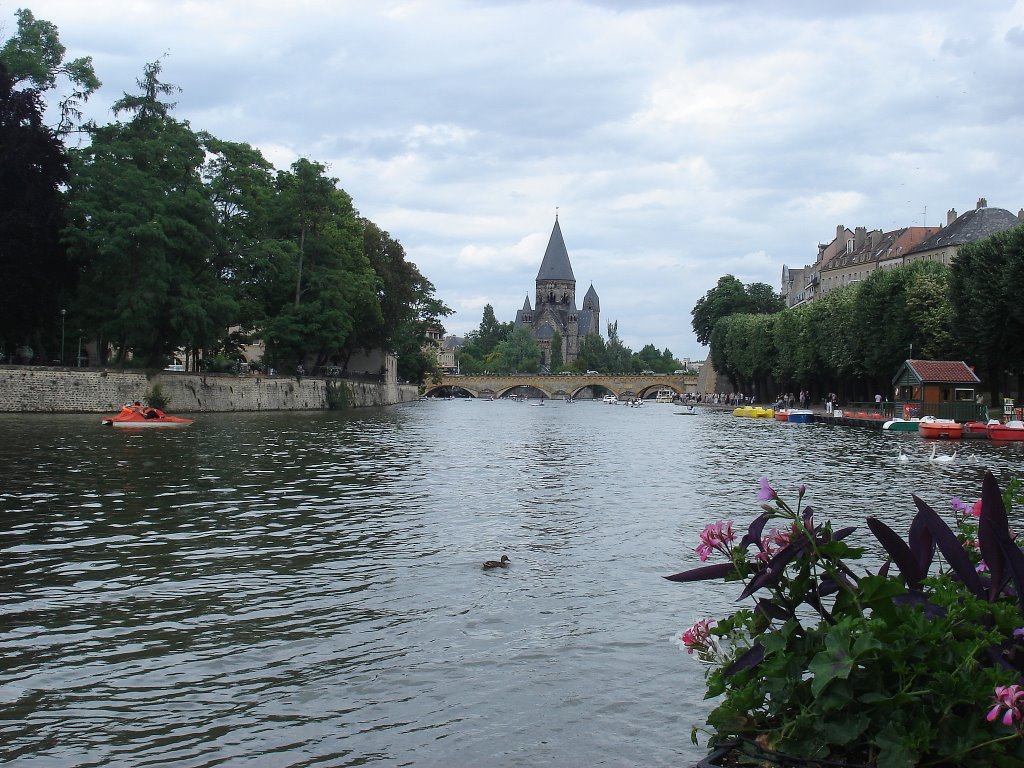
555, 311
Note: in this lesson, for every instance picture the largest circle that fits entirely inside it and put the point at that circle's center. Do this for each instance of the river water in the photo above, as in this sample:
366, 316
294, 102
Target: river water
306, 589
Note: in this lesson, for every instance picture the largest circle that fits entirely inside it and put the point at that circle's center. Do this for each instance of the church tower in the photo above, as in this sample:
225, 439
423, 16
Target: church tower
556, 284
554, 310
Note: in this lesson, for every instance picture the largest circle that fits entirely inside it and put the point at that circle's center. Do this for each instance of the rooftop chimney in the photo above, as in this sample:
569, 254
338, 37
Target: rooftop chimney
860, 235
982, 203
950, 216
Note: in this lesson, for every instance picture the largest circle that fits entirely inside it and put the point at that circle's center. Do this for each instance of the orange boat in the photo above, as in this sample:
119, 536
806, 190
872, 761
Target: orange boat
976, 430
945, 429
1011, 430
136, 417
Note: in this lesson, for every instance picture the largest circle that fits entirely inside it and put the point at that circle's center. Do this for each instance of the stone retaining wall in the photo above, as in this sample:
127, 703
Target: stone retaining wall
79, 390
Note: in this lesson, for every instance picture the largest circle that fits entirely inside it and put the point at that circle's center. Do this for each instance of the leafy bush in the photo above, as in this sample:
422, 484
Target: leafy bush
895, 670
155, 398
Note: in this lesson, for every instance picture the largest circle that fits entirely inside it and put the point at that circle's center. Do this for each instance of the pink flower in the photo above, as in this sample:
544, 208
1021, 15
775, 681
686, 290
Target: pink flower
976, 509
1007, 697
697, 637
1018, 633
981, 567
767, 493
716, 537
772, 543
958, 504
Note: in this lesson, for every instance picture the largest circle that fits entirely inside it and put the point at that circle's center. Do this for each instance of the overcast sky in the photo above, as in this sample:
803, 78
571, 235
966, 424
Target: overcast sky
679, 141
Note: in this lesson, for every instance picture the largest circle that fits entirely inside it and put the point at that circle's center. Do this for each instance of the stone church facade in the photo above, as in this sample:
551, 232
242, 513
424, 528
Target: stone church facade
555, 311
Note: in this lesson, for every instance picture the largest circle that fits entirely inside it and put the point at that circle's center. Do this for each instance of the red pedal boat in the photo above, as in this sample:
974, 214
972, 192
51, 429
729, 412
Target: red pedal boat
945, 429
137, 417
1011, 430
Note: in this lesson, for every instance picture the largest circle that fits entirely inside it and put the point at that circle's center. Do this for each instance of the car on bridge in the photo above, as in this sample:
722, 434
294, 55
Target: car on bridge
593, 373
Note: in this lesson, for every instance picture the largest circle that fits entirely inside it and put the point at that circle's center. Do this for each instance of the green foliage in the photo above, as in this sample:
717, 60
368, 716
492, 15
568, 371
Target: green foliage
37, 277
877, 670
519, 353
731, 297
339, 395
477, 350
592, 355
861, 331
142, 229
555, 363
988, 320
35, 55
155, 398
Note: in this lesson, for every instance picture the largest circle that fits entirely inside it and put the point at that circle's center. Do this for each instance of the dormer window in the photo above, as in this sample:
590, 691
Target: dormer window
849, 245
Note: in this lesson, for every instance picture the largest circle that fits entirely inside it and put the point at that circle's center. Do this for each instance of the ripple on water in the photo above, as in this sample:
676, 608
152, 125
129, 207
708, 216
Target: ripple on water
300, 589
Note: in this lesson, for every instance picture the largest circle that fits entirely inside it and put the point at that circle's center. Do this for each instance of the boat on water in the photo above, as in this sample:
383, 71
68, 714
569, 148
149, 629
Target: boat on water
902, 425
781, 415
610, 399
688, 411
664, 396
137, 417
754, 412
977, 430
941, 429
1010, 431
800, 416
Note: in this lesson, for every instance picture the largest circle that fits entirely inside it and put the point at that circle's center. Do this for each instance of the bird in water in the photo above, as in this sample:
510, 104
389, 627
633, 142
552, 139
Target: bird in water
901, 456
942, 458
497, 563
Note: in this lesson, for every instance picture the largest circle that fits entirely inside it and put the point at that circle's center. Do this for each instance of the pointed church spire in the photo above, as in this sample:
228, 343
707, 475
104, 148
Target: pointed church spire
526, 304
556, 264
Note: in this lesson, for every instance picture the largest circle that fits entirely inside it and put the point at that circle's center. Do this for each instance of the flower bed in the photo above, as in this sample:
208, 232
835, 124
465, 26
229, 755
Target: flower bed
920, 662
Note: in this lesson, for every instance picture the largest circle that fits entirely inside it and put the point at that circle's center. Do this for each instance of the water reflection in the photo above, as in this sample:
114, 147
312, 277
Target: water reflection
274, 589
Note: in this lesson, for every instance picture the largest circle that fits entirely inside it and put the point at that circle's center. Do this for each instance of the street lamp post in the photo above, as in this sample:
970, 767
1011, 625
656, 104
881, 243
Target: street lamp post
63, 312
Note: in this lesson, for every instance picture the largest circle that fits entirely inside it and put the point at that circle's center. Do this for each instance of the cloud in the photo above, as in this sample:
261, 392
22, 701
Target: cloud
680, 140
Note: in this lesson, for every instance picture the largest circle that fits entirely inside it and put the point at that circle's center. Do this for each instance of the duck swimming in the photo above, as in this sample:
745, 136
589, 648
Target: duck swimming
497, 563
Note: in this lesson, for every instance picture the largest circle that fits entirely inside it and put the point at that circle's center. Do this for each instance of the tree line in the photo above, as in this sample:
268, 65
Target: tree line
152, 237
501, 348
852, 340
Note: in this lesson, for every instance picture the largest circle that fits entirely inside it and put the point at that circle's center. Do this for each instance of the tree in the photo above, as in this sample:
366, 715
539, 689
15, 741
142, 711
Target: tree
35, 55
407, 302
618, 357
556, 351
726, 298
240, 184
491, 332
142, 231
730, 297
593, 356
988, 321
36, 276
519, 353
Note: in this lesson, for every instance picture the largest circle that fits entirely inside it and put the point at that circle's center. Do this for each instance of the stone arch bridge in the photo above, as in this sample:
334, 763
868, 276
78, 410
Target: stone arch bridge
554, 385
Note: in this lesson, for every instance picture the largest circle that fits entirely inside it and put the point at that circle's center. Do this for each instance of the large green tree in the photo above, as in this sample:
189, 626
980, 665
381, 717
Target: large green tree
519, 353
35, 55
35, 274
409, 307
332, 285
988, 321
142, 229
729, 297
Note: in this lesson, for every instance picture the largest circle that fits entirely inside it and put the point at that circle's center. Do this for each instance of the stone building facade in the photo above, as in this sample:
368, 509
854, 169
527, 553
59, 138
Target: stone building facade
852, 256
554, 310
